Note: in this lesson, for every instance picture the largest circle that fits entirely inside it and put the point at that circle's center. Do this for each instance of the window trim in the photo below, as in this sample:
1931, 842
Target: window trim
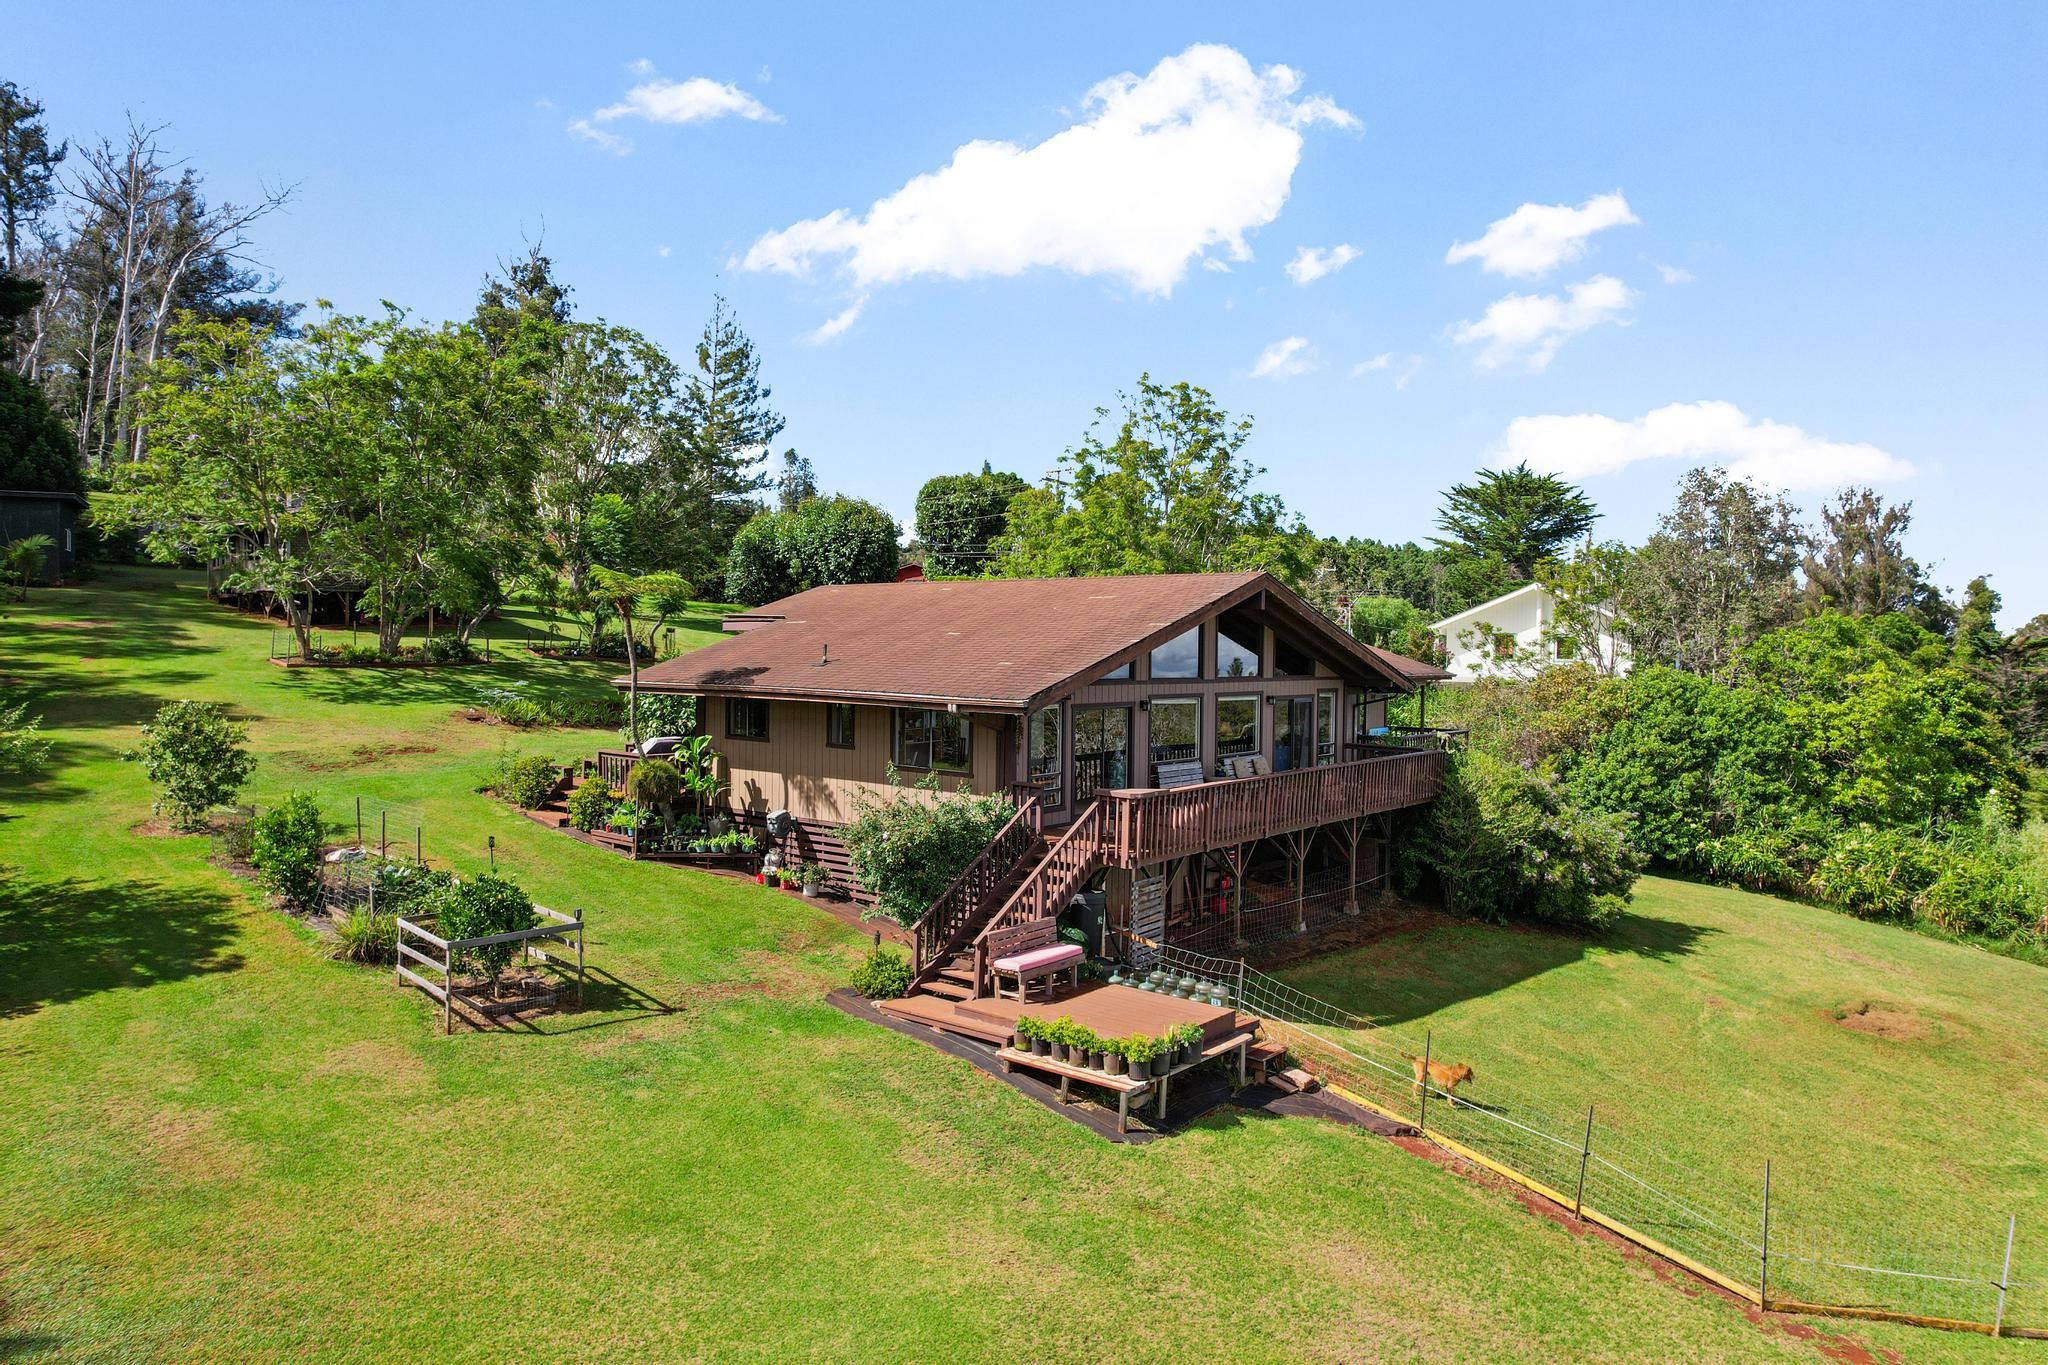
1258, 702
1152, 705
1214, 661
1051, 785
1201, 632
896, 715
852, 725
766, 712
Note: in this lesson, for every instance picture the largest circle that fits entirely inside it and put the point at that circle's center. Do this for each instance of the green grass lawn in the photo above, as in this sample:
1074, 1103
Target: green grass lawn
216, 1143
1898, 1085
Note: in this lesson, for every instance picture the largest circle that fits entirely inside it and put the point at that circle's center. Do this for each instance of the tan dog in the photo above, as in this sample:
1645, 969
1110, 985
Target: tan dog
1443, 1075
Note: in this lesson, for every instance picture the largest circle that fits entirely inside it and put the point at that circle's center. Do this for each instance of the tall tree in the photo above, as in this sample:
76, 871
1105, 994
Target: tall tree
825, 540
523, 304
1168, 489
959, 515
28, 170
1858, 564
241, 474
35, 449
797, 484
726, 405
1515, 515
1715, 576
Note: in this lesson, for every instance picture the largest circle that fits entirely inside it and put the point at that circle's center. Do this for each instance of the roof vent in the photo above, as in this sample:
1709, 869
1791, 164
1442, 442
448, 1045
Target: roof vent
824, 655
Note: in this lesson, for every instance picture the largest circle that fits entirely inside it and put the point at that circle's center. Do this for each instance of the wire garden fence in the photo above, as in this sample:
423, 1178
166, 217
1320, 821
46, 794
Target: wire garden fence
1769, 1240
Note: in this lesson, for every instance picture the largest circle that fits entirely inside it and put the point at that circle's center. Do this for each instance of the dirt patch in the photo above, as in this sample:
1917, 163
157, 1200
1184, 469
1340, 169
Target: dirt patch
77, 625
1376, 920
1879, 1020
364, 755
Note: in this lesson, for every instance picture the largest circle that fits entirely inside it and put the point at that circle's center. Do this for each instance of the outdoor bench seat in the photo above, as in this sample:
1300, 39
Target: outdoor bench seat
1032, 952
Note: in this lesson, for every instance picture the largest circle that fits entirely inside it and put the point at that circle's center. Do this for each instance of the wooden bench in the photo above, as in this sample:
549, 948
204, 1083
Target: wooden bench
1033, 952
1186, 773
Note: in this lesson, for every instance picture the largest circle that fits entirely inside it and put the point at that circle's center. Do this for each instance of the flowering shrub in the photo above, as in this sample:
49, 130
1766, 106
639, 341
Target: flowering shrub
908, 848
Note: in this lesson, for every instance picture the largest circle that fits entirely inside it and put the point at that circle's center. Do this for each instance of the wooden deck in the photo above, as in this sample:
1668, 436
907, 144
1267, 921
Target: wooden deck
1111, 1011
1147, 826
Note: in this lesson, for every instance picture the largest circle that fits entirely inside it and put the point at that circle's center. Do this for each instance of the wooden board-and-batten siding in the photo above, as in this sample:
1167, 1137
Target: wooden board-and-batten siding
794, 769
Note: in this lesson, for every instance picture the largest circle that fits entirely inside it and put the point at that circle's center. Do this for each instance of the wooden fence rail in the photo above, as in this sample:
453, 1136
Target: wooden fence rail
564, 929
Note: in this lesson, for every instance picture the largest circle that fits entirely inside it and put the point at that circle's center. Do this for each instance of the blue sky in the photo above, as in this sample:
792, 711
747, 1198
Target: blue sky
1806, 241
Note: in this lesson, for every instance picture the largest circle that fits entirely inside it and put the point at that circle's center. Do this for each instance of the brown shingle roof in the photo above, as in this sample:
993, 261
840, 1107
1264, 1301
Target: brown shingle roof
1413, 670
986, 642
992, 641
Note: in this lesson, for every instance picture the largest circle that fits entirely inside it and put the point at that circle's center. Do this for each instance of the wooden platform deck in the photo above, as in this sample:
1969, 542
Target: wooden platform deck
1111, 1011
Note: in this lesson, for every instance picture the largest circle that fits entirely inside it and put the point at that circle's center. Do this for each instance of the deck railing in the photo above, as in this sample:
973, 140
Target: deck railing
953, 917
612, 765
1150, 826
1065, 869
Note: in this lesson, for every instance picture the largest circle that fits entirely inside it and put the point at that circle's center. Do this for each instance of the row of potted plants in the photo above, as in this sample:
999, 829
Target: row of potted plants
1139, 1056
809, 878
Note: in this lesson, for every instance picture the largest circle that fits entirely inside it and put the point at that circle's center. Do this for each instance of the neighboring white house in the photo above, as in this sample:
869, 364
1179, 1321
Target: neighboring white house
1517, 634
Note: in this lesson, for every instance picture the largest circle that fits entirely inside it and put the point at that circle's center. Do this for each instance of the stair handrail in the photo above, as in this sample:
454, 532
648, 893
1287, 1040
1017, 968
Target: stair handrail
1072, 859
946, 923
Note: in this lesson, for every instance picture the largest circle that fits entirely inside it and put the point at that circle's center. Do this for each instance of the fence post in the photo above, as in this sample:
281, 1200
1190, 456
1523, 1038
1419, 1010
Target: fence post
1585, 1155
383, 833
359, 822
1428, 1041
418, 847
2004, 1276
493, 840
1763, 1278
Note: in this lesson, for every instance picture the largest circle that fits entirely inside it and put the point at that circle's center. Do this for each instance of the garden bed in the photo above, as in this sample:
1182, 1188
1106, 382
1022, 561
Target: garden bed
294, 661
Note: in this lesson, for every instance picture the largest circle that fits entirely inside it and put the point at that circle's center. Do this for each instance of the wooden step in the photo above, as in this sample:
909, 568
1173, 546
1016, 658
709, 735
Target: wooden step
963, 975
951, 990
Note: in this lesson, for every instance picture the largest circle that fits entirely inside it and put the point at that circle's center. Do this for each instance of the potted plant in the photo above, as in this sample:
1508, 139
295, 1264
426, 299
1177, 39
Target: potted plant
1065, 1035
1113, 1056
812, 878
1023, 1034
1139, 1050
1188, 1044
1041, 1037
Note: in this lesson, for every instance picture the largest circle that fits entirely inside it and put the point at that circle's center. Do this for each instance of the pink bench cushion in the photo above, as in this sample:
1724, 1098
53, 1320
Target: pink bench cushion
1038, 959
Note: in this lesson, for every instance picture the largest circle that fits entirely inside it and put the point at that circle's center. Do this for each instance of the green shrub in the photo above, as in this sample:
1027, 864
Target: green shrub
526, 782
234, 837
883, 974
1504, 844
1876, 873
359, 656
364, 935
446, 649
655, 782
407, 890
196, 758
909, 848
22, 746
591, 805
664, 713
479, 907
583, 713
286, 848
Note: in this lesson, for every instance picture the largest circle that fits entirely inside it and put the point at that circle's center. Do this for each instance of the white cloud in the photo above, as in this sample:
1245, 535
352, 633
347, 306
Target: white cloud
1211, 263
658, 99
837, 323
1675, 274
590, 132
1537, 238
1770, 453
1403, 369
662, 100
661, 251
1312, 263
1530, 327
1286, 358
1160, 169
